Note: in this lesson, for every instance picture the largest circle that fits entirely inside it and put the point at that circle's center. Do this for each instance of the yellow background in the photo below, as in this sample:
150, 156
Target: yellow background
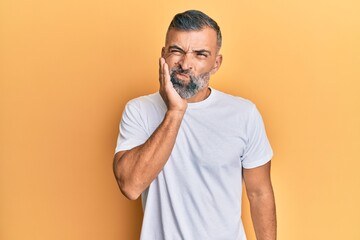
68, 67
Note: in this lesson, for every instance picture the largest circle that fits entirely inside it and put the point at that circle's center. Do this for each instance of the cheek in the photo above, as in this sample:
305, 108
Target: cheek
170, 62
205, 66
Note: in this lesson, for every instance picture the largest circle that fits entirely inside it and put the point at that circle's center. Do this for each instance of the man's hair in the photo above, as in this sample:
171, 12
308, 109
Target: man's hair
194, 20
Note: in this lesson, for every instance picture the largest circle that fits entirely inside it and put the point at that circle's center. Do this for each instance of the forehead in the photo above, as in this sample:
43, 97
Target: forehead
204, 38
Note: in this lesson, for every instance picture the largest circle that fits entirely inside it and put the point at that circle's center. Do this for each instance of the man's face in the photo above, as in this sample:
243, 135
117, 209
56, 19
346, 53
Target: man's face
192, 57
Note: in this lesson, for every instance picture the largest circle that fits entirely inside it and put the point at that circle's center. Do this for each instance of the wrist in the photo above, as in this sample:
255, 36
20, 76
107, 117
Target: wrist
175, 114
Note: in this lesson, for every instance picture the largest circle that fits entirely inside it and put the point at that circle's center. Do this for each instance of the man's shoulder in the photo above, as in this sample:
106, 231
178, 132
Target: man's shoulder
147, 102
234, 101
153, 98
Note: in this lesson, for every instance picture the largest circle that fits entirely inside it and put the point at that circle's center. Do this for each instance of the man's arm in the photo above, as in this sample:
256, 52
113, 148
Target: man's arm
136, 168
262, 203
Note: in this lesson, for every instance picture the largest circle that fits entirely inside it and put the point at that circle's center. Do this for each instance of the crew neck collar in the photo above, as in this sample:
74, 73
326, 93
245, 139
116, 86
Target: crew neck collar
204, 102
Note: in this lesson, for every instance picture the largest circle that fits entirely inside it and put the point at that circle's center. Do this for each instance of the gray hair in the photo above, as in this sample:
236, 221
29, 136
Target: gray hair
194, 20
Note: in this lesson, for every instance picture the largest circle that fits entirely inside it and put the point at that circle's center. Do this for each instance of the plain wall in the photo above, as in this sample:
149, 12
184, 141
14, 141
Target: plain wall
68, 67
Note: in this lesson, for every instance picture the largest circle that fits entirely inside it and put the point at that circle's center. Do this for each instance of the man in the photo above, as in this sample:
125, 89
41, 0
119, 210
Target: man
186, 148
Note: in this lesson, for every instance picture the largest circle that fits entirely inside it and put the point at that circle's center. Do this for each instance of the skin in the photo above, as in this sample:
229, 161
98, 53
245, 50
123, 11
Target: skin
136, 168
262, 202
200, 55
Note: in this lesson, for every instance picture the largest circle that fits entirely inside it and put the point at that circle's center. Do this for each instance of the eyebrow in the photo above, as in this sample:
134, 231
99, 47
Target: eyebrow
203, 51
176, 47
196, 51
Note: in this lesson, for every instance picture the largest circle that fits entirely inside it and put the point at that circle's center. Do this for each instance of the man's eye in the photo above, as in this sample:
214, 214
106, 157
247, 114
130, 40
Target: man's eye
203, 55
176, 52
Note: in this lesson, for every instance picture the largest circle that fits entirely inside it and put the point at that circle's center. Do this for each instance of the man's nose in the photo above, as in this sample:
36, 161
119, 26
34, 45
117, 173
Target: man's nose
186, 61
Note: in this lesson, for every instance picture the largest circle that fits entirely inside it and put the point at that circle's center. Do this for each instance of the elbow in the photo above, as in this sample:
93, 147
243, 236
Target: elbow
132, 197
128, 192
127, 185
128, 188
260, 195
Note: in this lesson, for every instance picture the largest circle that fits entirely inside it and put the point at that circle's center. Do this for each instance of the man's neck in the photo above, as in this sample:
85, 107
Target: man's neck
200, 96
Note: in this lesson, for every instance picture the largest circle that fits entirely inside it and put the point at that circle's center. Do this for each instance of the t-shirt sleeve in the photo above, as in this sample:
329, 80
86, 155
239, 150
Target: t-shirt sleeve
132, 131
258, 150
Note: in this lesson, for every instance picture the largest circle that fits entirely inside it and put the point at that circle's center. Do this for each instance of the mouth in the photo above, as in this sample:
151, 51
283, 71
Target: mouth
182, 76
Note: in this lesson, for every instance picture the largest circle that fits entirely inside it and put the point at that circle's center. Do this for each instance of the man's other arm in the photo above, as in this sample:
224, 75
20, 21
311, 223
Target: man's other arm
136, 168
262, 202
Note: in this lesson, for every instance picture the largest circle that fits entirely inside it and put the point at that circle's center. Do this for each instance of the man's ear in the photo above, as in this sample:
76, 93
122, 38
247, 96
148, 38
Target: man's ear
218, 61
163, 52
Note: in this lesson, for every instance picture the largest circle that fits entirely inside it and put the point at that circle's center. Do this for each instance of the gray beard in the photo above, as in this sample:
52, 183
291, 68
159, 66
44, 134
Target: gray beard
189, 89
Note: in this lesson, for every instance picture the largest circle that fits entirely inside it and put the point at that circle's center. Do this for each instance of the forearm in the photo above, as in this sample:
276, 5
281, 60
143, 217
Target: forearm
138, 167
263, 214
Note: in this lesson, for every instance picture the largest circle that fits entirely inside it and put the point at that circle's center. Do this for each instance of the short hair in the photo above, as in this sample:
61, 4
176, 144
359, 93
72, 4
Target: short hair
194, 20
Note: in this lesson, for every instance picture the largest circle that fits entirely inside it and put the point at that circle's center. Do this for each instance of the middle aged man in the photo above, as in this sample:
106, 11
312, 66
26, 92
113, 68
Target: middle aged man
187, 148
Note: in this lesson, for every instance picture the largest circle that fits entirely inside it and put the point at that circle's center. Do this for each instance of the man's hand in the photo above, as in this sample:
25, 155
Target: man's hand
171, 98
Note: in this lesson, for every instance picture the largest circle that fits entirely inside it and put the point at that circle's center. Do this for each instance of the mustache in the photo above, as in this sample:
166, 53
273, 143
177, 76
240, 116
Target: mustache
181, 71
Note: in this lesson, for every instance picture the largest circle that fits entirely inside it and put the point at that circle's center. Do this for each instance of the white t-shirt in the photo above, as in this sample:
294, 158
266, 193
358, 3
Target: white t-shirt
197, 195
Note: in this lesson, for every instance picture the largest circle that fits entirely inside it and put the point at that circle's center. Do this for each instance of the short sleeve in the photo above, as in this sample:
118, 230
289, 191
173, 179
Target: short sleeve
132, 131
258, 150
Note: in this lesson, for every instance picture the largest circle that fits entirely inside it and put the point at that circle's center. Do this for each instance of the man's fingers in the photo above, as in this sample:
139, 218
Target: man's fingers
160, 70
161, 62
166, 74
